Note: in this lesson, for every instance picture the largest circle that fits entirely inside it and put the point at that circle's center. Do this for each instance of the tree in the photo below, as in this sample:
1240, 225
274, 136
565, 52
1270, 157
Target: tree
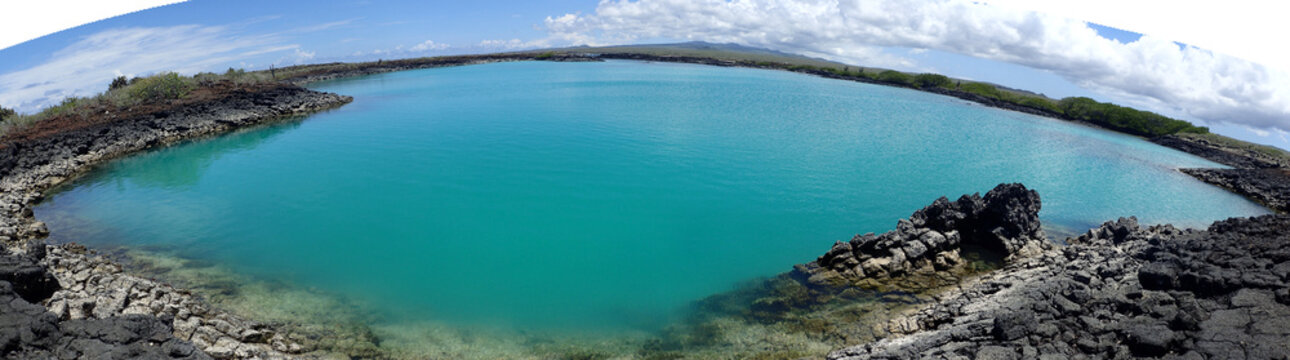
6, 113
118, 82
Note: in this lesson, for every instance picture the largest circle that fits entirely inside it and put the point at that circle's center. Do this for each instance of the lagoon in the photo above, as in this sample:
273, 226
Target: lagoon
598, 196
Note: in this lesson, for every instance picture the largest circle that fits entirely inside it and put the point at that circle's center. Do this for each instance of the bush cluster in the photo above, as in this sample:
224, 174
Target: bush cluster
928, 81
160, 87
1125, 119
896, 77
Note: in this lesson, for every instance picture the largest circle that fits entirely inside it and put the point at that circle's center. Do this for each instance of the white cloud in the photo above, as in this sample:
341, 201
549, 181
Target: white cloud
512, 44
428, 45
1151, 72
325, 26
86, 67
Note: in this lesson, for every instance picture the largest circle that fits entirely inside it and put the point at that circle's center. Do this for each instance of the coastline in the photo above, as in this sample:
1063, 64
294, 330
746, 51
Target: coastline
96, 289
75, 287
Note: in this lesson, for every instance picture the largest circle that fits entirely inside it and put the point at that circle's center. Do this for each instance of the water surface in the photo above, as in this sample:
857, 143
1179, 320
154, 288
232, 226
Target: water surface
598, 195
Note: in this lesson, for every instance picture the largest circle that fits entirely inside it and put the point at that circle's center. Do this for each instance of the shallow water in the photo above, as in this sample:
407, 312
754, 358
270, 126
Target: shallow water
588, 197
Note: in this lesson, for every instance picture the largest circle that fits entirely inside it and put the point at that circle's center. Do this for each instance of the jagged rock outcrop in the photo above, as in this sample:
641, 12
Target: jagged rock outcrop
1120, 291
1270, 187
930, 244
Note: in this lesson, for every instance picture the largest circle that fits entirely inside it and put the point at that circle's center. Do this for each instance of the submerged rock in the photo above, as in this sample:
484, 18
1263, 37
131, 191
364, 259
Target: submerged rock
930, 245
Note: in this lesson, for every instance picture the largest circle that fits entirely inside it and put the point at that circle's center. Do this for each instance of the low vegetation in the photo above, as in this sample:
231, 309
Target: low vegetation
895, 77
124, 94
1271, 151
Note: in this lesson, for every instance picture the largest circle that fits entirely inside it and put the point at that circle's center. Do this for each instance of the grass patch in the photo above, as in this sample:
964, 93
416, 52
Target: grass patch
1271, 151
123, 94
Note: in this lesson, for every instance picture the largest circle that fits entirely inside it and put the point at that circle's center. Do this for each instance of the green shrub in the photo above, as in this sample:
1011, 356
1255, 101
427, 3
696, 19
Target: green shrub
545, 55
982, 89
160, 87
1036, 102
927, 81
66, 106
895, 77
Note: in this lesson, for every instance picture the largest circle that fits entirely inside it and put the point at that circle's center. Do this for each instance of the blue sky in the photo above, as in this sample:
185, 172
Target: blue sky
1045, 54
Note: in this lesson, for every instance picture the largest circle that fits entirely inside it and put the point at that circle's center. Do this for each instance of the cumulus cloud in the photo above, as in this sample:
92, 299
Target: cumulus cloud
1150, 72
428, 45
88, 65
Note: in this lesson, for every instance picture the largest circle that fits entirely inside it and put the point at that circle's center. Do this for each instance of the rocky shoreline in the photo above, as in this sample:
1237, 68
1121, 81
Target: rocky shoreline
1270, 187
1222, 154
1119, 291
61, 302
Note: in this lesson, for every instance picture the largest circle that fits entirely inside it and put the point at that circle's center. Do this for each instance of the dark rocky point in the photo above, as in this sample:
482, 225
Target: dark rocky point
928, 248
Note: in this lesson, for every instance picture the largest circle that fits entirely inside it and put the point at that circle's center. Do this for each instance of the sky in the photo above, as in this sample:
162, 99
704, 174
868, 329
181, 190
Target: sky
1042, 52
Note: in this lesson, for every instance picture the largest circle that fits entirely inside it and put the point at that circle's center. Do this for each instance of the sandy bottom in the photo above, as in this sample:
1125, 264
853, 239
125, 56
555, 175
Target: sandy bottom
763, 319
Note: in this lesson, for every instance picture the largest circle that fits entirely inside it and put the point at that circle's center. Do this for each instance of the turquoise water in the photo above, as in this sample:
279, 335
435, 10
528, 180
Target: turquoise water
598, 195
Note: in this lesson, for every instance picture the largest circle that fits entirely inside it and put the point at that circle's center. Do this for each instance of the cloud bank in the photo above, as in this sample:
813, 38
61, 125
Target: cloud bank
1151, 72
86, 67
